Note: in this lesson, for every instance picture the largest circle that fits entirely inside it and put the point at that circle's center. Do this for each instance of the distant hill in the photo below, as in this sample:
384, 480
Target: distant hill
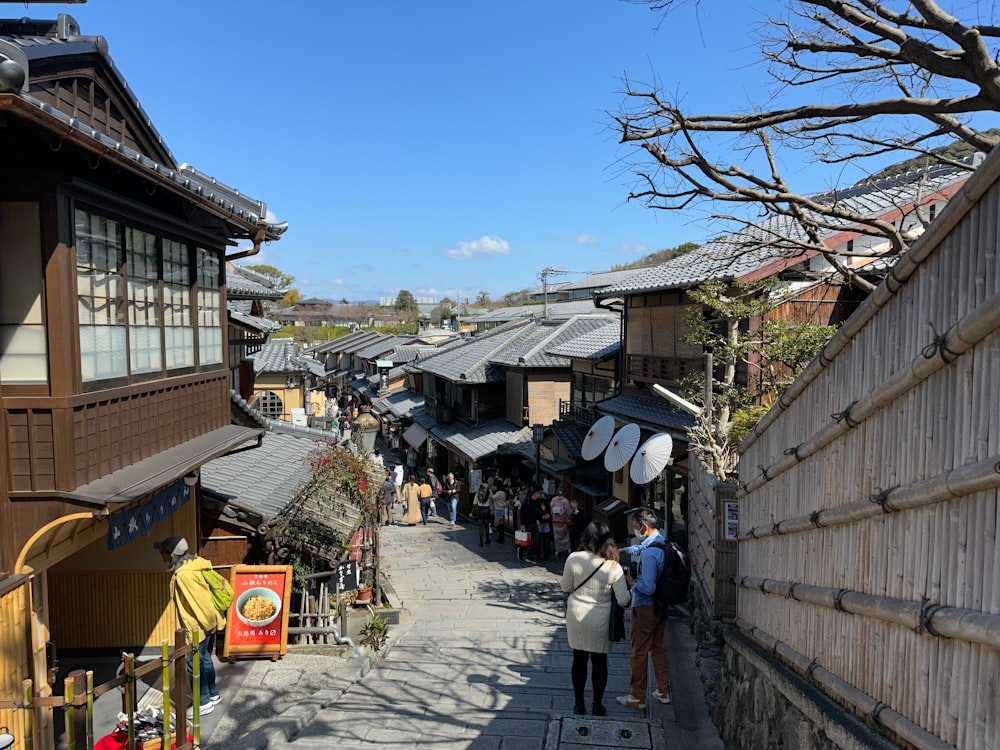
957, 150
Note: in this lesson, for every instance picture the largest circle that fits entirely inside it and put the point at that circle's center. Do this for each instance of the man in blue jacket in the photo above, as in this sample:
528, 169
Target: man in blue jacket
647, 628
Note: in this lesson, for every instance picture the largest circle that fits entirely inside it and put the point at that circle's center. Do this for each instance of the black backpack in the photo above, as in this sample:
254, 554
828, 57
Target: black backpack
674, 579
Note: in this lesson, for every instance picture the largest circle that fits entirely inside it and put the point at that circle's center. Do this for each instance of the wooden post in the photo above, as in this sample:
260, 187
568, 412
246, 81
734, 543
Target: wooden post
180, 683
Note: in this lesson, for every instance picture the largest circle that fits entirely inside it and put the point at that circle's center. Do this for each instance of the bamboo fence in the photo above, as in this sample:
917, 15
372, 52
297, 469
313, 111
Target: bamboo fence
868, 555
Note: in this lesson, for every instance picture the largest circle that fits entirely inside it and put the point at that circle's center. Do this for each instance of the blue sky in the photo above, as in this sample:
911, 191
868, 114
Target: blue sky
444, 146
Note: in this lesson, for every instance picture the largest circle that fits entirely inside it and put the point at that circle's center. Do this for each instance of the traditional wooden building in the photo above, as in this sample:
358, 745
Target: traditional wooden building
114, 379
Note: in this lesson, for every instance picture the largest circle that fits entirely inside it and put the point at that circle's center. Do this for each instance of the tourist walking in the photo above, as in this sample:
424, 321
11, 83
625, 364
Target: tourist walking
591, 577
647, 628
436, 488
562, 520
450, 495
543, 546
196, 613
397, 475
498, 505
388, 498
528, 518
426, 494
411, 461
411, 501
483, 512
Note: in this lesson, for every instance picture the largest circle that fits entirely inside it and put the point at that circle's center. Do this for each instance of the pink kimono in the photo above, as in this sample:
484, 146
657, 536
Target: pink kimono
562, 519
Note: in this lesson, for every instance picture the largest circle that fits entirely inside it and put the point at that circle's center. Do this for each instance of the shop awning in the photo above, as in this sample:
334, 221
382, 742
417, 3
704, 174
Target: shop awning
415, 435
143, 477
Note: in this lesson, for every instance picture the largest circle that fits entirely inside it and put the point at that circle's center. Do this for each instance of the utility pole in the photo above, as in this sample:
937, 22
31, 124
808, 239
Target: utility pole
544, 276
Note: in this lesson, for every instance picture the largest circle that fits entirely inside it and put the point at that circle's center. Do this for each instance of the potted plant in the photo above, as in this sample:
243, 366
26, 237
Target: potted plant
375, 632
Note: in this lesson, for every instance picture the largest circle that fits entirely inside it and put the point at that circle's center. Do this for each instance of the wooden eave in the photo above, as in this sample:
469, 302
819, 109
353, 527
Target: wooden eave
91, 65
242, 224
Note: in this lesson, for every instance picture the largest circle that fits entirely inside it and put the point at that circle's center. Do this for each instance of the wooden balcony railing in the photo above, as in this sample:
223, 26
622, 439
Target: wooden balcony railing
582, 415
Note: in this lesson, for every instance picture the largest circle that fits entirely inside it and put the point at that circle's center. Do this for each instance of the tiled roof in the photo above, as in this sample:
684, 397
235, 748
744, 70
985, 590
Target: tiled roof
598, 280
758, 247
242, 283
383, 346
266, 478
469, 361
599, 343
556, 310
343, 343
571, 435
401, 403
534, 348
201, 189
252, 321
656, 414
483, 440
281, 355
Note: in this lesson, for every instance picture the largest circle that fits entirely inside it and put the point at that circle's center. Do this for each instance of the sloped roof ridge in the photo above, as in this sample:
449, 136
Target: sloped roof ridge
557, 331
526, 323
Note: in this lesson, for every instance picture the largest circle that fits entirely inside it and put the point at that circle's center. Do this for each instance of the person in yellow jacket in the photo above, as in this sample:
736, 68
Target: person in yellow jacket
195, 612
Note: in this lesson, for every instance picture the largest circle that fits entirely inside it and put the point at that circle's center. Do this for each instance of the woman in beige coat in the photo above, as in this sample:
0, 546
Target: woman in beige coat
411, 501
591, 577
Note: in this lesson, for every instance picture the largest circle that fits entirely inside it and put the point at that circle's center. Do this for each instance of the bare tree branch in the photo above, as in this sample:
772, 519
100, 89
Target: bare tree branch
890, 76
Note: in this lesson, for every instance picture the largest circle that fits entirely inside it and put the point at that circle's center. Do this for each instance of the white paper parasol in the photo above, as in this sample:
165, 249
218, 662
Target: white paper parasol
651, 458
597, 438
623, 445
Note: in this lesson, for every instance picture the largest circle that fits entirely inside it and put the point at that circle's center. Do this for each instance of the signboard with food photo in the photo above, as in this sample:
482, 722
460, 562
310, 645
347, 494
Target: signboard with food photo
258, 617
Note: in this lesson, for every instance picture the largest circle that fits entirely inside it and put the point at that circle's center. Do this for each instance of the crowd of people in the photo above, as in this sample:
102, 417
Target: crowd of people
592, 575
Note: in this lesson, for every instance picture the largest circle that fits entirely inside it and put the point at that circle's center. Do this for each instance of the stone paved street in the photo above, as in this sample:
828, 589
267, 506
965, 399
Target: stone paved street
482, 663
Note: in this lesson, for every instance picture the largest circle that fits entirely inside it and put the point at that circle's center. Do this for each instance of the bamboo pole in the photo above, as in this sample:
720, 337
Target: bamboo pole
967, 625
961, 338
28, 725
960, 482
165, 664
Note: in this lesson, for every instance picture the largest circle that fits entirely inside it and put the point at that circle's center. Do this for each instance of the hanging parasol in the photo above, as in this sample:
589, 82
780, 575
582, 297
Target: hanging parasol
623, 445
597, 438
651, 458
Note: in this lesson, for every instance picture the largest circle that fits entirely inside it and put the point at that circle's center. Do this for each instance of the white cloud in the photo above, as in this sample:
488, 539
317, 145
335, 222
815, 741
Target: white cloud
485, 245
632, 248
586, 239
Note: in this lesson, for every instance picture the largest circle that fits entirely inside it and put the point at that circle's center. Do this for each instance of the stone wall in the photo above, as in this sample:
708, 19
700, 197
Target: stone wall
762, 704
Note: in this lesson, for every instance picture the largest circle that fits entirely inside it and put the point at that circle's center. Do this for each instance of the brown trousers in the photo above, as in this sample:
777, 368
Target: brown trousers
647, 638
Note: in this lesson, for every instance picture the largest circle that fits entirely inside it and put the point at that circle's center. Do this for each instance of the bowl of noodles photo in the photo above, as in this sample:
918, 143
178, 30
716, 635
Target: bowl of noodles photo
258, 607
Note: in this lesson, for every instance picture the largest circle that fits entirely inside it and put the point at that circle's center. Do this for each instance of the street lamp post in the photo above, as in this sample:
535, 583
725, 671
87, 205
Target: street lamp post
538, 437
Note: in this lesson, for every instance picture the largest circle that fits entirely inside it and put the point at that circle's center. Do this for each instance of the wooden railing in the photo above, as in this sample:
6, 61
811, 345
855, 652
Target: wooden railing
79, 694
582, 415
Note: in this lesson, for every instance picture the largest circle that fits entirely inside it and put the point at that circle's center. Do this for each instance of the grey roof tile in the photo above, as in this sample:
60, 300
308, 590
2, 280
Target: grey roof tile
655, 413
469, 361
266, 478
252, 321
571, 435
759, 247
384, 346
246, 284
534, 348
556, 310
600, 343
281, 355
482, 440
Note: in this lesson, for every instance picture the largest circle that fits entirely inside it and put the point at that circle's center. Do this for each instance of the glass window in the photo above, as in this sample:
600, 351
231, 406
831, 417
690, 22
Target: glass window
100, 291
209, 312
23, 353
178, 328
136, 296
145, 337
